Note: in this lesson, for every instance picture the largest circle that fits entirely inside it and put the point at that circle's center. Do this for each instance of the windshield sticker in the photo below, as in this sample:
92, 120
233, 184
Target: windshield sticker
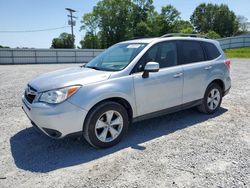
133, 46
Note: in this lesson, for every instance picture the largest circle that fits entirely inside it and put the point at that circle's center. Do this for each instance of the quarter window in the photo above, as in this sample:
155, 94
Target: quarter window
212, 51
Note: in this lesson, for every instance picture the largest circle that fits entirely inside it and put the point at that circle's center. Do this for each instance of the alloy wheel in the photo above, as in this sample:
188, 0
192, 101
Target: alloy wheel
213, 99
109, 126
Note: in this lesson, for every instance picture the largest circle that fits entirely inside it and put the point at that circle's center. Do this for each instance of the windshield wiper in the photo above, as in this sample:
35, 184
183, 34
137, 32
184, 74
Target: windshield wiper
82, 66
100, 68
93, 67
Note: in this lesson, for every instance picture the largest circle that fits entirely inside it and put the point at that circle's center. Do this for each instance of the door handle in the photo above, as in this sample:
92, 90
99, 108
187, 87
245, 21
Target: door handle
178, 75
208, 68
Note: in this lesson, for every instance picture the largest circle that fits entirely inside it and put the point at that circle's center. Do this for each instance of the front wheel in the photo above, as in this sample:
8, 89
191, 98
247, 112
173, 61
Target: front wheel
106, 124
212, 99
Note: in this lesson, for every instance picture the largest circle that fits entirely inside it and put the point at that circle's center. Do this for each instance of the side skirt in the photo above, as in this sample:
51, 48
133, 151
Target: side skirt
168, 110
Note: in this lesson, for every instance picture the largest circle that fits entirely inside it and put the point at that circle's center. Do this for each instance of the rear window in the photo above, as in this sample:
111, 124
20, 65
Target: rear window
190, 52
212, 51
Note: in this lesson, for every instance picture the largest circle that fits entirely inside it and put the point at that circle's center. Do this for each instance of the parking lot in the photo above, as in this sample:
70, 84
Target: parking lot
184, 149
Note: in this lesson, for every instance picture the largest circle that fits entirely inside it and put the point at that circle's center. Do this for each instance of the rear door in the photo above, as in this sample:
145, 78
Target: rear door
196, 69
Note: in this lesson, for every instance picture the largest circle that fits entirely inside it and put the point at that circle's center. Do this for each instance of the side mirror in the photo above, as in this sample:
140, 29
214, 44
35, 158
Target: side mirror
150, 67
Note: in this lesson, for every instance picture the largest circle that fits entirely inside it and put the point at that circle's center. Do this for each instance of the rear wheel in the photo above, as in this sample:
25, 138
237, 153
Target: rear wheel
212, 99
106, 124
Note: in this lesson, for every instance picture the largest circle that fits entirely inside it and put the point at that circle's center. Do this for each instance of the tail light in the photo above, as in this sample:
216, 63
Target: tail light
228, 63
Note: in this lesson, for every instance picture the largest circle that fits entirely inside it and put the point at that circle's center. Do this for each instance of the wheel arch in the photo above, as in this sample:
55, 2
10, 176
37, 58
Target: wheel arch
219, 82
118, 100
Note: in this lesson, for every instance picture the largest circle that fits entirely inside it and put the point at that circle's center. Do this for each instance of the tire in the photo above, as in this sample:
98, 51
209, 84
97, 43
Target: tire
211, 100
108, 118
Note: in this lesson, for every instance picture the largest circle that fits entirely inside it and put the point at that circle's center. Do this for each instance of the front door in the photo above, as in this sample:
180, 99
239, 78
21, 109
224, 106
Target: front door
161, 89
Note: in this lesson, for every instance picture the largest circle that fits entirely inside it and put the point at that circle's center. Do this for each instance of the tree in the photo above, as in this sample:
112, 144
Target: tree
117, 20
142, 10
113, 20
168, 19
4, 46
182, 26
90, 23
65, 40
212, 35
242, 23
218, 18
142, 29
90, 41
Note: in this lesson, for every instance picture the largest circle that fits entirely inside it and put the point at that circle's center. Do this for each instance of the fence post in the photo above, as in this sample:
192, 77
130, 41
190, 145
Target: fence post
56, 57
35, 57
75, 56
12, 56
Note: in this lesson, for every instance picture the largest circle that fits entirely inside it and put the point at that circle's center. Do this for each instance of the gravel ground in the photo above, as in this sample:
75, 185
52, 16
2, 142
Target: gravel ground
184, 149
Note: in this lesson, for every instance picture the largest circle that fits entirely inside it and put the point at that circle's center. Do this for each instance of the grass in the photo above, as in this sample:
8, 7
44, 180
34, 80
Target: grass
238, 53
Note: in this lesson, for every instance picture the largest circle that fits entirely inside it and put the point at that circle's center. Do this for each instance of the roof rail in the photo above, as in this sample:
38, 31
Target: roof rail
182, 35
139, 37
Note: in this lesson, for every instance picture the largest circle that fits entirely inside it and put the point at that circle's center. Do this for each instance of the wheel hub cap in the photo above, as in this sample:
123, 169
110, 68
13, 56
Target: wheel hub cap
109, 126
213, 99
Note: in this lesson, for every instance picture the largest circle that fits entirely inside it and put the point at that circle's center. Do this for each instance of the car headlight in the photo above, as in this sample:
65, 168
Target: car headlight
58, 95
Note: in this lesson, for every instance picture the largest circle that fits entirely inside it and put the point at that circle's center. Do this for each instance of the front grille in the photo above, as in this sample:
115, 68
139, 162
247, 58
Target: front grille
30, 94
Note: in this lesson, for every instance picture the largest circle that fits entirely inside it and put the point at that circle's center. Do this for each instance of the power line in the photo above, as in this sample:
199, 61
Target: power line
36, 30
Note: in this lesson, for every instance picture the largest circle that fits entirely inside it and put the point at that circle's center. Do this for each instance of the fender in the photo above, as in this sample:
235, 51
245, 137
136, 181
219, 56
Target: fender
91, 94
215, 77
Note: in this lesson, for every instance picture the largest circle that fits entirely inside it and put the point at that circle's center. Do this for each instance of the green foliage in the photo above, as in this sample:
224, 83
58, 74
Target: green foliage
168, 19
142, 11
112, 21
212, 35
119, 20
238, 53
65, 40
90, 41
218, 18
182, 26
4, 46
90, 23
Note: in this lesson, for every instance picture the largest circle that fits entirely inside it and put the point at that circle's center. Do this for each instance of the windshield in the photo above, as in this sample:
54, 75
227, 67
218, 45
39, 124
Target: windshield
116, 57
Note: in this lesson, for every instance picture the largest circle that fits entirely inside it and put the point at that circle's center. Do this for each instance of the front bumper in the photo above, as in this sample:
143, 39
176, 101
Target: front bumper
56, 121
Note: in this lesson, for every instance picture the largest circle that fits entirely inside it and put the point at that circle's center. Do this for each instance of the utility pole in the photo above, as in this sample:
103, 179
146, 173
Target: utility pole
72, 23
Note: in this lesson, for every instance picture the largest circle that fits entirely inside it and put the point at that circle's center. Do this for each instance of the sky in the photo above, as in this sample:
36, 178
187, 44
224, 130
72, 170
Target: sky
20, 15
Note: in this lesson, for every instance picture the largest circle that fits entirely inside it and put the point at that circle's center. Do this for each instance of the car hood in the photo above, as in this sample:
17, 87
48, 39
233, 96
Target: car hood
68, 77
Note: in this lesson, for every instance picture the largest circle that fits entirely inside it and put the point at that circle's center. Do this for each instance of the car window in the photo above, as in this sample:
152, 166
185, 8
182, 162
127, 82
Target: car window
164, 53
190, 52
212, 51
167, 55
117, 57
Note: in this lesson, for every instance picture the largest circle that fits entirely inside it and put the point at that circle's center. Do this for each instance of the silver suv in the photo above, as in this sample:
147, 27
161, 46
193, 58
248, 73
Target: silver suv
130, 81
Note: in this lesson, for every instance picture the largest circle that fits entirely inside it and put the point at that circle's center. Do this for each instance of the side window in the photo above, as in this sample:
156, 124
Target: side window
191, 51
212, 51
167, 55
164, 53
151, 54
